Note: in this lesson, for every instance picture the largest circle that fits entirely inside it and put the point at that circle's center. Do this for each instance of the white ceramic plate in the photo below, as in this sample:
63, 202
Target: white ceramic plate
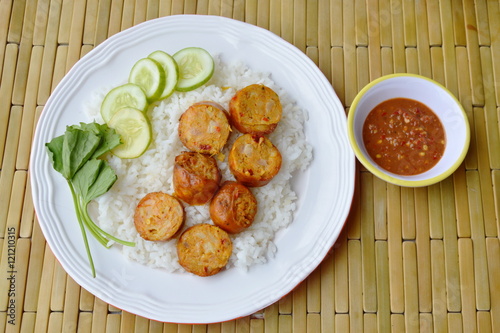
325, 190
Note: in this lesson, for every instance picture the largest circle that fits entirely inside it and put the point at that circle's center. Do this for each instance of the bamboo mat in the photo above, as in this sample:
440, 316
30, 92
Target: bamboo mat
424, 259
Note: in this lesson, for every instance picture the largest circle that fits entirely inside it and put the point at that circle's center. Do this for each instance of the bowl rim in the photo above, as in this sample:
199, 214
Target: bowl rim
386, 175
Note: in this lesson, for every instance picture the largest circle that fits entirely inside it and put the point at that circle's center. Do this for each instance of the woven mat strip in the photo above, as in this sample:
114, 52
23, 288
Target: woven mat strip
409, 258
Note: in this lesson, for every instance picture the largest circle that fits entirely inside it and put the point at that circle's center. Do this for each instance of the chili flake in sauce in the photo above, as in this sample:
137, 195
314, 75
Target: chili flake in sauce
404, 136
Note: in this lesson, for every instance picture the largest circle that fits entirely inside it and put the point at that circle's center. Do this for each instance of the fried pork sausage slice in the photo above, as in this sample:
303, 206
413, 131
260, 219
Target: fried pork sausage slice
255, 109
233, 207
254, 160
196, 177
158, 216
204, 128
204, 249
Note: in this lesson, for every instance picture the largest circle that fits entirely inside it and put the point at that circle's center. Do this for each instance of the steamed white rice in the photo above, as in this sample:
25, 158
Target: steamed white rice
152, 172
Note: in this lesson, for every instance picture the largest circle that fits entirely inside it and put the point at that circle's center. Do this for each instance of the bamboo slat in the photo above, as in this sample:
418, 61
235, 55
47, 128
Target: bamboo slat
407, 214
360, 22
490, 113
75, 34
458, 23
341, 276
6, 94
387, 64
380, 209
411, 60
384, 17
25, 48
394, 241
383, 287
65, 23
40, 28
448, 47
450, 246
423, 42
127, 15
368, 246
152, 11
398, 47
349, 48
239, 10
341, 323
165, 8
86, 300
439, 309
202, 7
16, 21
434, 22
484, 173
493, 253
49, 52
470, 19
467, 283
411, 293
29, 111
5, 11
299, 307
299, 24
101, 29
43, 304
285, 305
28, 323
478, 240
313, 301
409, 23
337, 72
408, 259
274, 16
71, 309
496, 193
55, 322
327, 293
91, 10
355, 286
422, 242
454, 323
354, 218
58, 288
8, 167
271, 315
21, 269
84, 322
263, 14
33, 282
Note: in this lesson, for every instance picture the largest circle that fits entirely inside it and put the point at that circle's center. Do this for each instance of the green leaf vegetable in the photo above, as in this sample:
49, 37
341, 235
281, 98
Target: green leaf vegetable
76, 155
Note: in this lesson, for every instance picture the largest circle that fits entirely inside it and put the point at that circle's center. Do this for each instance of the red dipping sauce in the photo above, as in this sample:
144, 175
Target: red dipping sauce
404, 136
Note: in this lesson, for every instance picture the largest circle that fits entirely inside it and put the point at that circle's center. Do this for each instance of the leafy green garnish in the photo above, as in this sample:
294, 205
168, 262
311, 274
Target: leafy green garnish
75, 155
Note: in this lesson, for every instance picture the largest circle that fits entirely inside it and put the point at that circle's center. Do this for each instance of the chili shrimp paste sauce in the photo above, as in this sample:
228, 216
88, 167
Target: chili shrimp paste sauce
404, 136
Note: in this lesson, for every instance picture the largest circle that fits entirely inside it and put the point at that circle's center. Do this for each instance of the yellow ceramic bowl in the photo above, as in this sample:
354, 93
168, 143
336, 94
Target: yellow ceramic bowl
437, 98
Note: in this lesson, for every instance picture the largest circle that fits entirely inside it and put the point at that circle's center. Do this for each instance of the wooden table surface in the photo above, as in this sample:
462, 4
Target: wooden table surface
409, 259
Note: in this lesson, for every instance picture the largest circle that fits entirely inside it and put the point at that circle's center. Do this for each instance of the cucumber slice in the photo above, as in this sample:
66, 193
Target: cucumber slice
171, 71
135, 131
150, 76
196, 67
127, 95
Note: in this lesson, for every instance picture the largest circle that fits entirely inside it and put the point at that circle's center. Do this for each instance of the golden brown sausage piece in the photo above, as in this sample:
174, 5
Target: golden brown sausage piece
254, 160
158, 216
204, 249
196, 177
204, 128
255, 109
233, 207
